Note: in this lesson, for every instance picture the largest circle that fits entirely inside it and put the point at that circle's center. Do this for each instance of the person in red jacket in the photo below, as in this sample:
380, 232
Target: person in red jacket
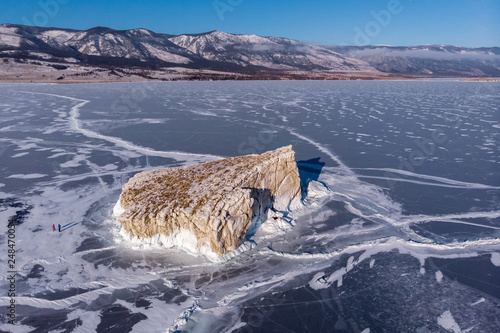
53, 227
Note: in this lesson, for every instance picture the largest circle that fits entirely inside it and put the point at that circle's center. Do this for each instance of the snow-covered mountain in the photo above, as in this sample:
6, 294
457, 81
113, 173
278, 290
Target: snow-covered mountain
96, 45
267, 52
214, 50
427, 59
222, 51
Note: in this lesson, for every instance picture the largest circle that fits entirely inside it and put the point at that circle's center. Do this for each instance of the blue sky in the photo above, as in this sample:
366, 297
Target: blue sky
351, 22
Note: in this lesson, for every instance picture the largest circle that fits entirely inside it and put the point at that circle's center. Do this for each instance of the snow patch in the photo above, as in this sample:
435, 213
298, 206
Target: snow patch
166, 56
110, 167
495, 259
182, 239
317, 190
372, 262
439, 276
17, 328
28, 176
318, 281
479, 301
75, 162
19, 155
90, 320
8, 36
118, 209
446, 321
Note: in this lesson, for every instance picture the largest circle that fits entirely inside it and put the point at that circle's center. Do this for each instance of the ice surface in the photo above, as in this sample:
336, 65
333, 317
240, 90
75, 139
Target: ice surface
365, 231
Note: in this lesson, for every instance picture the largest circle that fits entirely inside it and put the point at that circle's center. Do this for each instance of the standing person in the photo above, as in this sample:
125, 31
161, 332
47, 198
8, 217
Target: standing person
59, 226
53, 227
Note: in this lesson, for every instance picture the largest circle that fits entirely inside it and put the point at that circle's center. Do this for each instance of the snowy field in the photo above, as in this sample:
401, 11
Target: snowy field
399, 231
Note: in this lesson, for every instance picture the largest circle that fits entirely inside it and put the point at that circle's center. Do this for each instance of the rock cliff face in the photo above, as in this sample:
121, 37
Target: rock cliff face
214, 201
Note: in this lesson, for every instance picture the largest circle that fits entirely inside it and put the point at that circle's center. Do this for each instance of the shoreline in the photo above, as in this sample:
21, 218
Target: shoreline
248, 80
188, 78
51, 73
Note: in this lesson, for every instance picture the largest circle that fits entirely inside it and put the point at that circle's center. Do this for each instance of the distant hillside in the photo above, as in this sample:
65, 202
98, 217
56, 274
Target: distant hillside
438, 60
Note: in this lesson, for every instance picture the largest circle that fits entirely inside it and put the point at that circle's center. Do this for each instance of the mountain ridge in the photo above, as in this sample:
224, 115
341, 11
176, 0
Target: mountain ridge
445, 60
136, 46
220, 55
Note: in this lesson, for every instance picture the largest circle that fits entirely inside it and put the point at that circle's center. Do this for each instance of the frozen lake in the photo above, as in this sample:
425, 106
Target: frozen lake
402, 233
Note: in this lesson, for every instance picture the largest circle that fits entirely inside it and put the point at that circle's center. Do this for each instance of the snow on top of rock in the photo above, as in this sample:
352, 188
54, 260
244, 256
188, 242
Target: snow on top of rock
58, 36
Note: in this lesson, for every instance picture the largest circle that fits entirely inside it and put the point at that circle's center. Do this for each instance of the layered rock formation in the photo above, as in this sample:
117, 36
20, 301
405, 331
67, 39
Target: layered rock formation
214, 201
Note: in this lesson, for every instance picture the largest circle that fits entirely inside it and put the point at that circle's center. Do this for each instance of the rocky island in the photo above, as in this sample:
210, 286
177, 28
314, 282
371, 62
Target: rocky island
214, 201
